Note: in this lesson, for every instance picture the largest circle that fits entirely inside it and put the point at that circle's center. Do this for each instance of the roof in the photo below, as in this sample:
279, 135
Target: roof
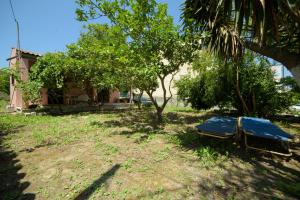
25, 52
28, 52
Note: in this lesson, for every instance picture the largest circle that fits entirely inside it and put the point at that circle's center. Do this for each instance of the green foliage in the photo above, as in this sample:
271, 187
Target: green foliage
141, 47
212, 85
51, 70
98, 57
156, 47
95, 60
289, 83
262, 94
4, 80
30, 90
215, 85
261, 26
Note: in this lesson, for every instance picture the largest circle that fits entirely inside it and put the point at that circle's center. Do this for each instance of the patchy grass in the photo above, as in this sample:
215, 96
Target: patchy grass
3, 104
126, 155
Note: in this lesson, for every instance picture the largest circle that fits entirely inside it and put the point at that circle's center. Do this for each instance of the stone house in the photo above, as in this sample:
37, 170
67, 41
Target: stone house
72, 96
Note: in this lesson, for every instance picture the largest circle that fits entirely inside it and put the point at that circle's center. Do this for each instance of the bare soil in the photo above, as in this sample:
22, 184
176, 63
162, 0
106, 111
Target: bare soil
126, 155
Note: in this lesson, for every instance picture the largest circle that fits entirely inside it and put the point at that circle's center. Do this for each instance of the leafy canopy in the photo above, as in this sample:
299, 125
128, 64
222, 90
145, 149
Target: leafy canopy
157, 48
268, 27
93, 61
215, 85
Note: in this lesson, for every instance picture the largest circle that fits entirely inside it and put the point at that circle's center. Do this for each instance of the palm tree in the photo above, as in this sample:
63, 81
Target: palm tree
268, 27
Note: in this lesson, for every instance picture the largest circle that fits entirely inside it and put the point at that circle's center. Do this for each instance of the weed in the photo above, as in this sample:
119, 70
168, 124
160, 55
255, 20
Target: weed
184, 138
208, 156
97, 124
159, 190
78, 163
128, 164
124, 193
98, 143
43, 192
173, 139
162, 155
143, 169
232, 194
110, 149
119, 183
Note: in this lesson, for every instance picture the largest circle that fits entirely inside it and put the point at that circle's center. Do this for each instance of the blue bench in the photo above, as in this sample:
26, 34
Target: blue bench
259, 131
219, 127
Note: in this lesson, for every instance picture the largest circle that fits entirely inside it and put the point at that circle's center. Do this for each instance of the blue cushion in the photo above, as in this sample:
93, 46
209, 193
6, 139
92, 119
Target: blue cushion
222, 126
263, 128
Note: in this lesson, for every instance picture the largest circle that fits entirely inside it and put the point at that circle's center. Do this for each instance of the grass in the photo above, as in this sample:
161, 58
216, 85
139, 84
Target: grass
123, 155
3, 104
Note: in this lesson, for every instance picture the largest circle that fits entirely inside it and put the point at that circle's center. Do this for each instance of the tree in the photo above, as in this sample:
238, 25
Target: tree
214, 85
288, 83
270, 28
94, 61
157, 49
4, 80
51, 70
97, 58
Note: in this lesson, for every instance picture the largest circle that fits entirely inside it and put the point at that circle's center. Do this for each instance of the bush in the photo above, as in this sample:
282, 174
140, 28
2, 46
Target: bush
216, 85
4, 80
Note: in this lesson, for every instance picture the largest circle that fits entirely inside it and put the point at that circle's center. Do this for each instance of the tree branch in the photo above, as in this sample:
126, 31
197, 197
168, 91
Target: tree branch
288, 59
171, 95
150, 94
291, 11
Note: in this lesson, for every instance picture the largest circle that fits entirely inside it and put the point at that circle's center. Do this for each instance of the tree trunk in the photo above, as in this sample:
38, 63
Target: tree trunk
245, 108
139, 102
159, 112
130, 95
253, 103
295, 71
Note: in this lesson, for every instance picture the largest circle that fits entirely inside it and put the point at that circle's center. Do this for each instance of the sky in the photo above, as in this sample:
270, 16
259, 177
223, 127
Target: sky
47, 25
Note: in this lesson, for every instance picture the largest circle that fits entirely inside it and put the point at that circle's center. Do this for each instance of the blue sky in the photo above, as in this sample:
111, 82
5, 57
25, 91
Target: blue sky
47, 25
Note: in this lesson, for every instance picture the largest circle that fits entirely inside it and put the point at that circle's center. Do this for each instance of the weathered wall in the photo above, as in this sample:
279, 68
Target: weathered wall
158, 94
114, 96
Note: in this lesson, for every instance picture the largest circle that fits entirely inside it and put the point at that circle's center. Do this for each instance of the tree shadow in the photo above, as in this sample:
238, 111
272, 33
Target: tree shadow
249, 174
85, 194
286, 118
11, 184
145, 122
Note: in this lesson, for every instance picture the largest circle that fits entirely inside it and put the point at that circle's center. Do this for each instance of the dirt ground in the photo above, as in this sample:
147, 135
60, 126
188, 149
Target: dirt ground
125, 155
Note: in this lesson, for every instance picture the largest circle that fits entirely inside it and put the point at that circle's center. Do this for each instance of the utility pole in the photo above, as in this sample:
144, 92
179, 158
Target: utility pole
18, 32
18, 50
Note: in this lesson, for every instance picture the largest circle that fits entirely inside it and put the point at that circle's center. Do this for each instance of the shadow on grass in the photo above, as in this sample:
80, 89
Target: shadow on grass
11, 184
145, 121
246, 174
85, 194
